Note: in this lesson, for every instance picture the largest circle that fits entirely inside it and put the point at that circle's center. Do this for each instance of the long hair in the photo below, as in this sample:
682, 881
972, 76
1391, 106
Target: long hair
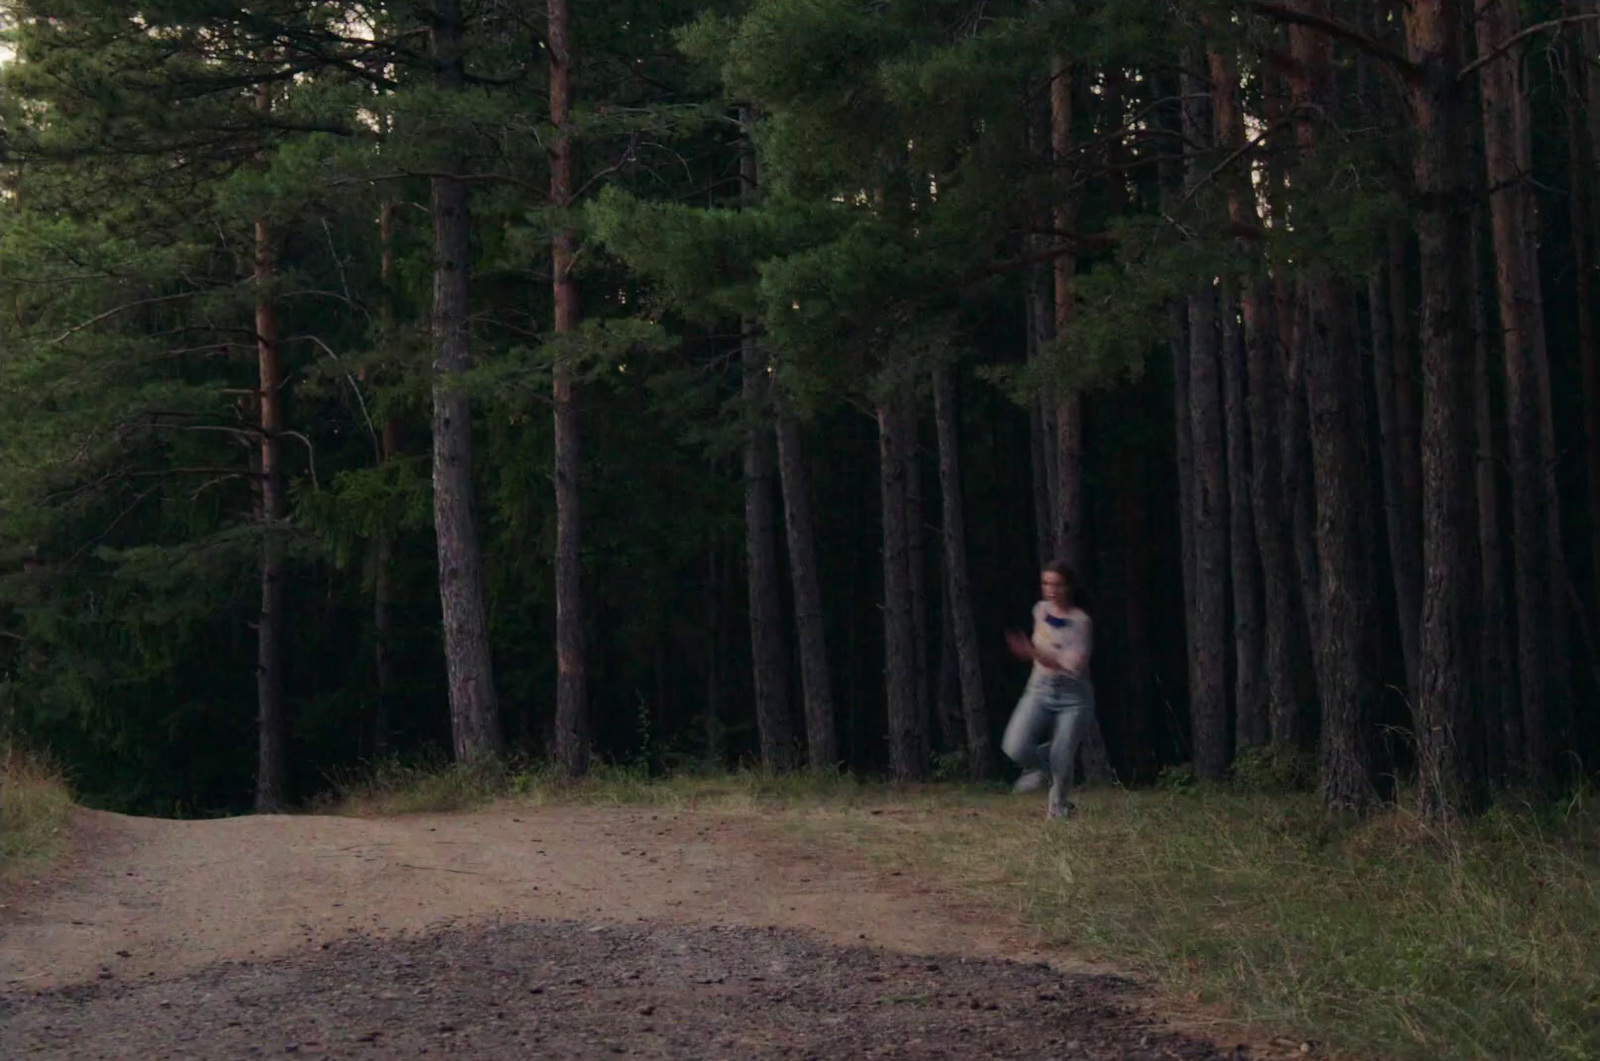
1069, 581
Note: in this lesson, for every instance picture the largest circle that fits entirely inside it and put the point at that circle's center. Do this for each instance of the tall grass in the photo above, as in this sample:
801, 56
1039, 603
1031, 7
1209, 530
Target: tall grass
34, 809
395, 787
1387, 937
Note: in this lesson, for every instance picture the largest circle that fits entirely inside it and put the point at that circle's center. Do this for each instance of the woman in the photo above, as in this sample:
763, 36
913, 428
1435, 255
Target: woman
1053, 714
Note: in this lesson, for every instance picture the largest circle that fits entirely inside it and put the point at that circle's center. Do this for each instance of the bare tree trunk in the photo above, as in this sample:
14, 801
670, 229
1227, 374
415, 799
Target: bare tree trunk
1346, 643
1404, 556
1450, 777
1250, 683
917, 563
908, 758
822, 738
1407, 419
1501, 711
767, 638
1208, 622
1583, 107
958, 590
1257, 514
474, 708
383, 562
272, 764
1242, 329
1039, 308
572, 692
1536, 538
767, 641
1070, 520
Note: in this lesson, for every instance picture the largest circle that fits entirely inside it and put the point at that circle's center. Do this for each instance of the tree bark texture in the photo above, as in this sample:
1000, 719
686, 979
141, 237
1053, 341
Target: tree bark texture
958, 587
1501, 710
908, 741
768, 640
272, 762
572, 743
917, 564
1404, 550
1242, 328
1208, 619
822, 737
1536, 532
474, 708
1069, 513
1346, 646
1583, 185
1451, 780
1250, 682
383, 558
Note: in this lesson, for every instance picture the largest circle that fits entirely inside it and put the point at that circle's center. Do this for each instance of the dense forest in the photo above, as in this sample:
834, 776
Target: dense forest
679, 382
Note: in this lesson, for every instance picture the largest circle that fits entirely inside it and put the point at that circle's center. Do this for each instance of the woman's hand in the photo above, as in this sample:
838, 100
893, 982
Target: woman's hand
1020, 646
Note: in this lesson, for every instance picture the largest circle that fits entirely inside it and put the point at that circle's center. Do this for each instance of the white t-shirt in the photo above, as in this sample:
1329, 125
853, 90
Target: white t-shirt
1063, 639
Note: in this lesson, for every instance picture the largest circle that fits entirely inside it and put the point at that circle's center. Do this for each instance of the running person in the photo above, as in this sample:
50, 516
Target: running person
1054, 712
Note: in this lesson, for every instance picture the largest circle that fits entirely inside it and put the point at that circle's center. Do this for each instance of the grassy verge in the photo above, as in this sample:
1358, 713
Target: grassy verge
34, 807
390, 787
1383, 938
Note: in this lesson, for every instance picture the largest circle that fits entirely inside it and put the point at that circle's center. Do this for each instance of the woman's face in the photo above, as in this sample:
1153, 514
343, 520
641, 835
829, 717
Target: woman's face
1054, 588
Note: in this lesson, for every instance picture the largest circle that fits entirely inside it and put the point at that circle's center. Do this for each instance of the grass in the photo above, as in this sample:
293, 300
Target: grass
1383, 938
34, 807
391, 787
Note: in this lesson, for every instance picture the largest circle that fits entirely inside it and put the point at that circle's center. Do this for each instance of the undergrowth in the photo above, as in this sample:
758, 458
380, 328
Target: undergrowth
1389, 937
34, 808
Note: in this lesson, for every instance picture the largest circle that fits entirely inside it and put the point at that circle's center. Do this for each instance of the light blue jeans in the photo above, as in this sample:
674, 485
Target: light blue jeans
1046, 727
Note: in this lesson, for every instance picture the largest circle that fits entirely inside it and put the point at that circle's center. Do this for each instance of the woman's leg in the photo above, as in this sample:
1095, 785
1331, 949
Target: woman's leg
1028, 722
1077, 701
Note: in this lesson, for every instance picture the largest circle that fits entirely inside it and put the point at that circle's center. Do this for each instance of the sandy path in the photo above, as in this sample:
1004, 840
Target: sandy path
157, 898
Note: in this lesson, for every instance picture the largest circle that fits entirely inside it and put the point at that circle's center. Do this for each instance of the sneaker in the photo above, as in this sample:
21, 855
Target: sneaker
1056, 812
1032, 781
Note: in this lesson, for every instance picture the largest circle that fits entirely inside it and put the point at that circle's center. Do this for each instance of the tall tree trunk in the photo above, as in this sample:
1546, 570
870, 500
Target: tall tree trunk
769, 655
958, 589
272, 762
474, 709
1450, 776
1501, 711
1250, 684
1243, 335
947, 688
1346, 638
1069, 517
917, 564
1184, 444
1257, 514
822, 738
1207, 620
1070, 521
383, 558
1405, 559
1407, 419
908, 760
1536, 538
1583, 104
1133, 528
572, 692
767, 638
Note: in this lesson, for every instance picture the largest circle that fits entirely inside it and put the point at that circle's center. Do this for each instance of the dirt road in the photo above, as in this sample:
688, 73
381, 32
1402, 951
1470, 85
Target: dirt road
549, 932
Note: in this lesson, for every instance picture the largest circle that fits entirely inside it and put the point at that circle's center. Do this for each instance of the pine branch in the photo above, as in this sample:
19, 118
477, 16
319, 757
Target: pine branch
1517, 38
1340, 30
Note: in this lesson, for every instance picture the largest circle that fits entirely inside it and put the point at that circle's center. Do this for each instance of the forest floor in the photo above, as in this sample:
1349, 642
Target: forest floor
552, 931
